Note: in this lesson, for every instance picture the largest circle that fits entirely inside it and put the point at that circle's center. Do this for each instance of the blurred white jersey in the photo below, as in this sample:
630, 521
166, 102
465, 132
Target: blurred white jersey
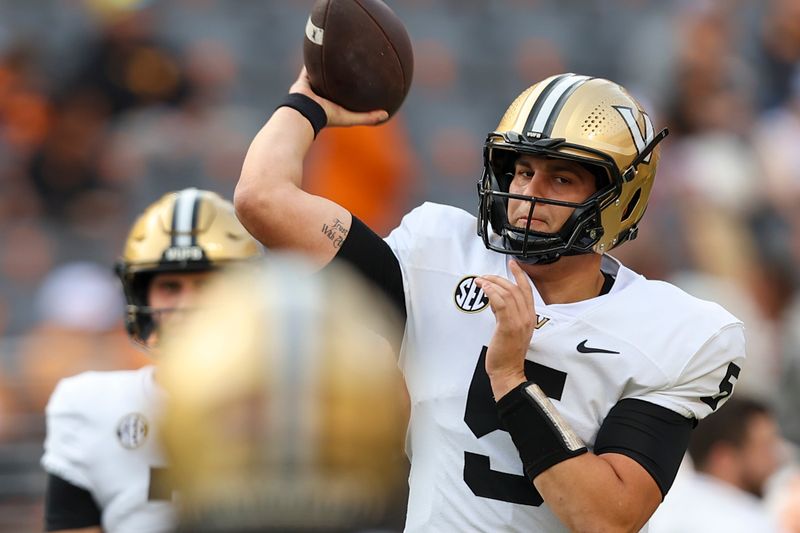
102, 436
643, 340
699, 503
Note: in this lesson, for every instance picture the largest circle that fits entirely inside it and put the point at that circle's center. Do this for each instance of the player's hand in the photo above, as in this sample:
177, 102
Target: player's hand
514, 312
337, 115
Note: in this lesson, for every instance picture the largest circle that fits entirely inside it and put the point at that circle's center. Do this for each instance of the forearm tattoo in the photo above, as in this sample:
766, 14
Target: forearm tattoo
336, 232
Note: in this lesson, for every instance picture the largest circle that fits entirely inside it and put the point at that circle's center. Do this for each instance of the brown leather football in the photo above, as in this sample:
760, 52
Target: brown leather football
358, 54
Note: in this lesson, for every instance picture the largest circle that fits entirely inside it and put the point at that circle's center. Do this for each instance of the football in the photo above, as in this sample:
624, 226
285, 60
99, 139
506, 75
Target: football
358, 54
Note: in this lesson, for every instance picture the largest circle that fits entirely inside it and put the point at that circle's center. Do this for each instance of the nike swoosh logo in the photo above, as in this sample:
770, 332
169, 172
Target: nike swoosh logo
588, 349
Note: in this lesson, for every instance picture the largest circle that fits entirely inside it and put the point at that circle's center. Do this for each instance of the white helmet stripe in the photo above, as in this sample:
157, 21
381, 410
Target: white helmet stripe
295, 379
640, 138
562, 87
540, 98
184, 217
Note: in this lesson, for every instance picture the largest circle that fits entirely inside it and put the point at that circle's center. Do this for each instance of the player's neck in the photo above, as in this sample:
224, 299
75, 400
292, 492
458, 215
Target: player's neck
570, 279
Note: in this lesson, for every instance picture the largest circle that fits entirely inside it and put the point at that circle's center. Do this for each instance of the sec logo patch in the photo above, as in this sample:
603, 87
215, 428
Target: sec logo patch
132, 430
468, 297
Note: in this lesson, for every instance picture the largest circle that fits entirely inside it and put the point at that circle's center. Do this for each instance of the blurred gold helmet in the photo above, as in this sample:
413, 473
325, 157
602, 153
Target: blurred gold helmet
191, 230
594, 122
285, 406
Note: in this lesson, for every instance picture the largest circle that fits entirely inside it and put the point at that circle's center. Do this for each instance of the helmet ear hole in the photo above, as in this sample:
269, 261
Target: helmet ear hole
631, 205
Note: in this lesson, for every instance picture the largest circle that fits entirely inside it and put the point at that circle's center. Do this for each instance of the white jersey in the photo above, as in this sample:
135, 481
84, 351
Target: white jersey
102, 436
698, 503
644, 340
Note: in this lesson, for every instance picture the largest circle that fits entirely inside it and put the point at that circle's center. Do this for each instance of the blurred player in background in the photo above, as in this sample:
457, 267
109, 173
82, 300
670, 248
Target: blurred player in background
105, 466
734, 453
282, 411
630, 364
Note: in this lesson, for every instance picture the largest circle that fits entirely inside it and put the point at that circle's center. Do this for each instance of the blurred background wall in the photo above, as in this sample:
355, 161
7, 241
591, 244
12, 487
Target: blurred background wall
107, 104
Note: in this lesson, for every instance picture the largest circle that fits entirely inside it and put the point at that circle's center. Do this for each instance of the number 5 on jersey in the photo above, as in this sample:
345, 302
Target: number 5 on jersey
481, 418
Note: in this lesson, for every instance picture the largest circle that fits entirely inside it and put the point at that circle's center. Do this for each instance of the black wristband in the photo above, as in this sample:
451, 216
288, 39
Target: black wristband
541, 436
307, 107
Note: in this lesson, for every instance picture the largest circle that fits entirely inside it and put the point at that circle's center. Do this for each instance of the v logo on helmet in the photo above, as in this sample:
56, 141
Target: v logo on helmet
640, 138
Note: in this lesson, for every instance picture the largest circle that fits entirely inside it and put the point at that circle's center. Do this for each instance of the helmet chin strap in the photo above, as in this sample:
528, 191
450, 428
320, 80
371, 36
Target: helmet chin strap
547, 259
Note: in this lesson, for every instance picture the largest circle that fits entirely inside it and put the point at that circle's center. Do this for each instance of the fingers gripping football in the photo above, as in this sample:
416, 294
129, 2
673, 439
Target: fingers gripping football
515, 316
337, 115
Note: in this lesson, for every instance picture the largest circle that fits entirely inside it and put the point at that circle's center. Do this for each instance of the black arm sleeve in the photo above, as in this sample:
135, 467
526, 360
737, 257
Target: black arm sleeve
653, 436
364, 250
68, 507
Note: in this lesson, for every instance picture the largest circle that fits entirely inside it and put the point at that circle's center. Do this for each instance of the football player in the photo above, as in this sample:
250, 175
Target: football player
297, 427
104, 462
551, 387
734, 458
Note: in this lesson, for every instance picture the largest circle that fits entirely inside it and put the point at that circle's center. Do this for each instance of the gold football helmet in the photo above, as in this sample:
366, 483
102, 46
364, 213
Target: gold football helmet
594, 122
186, 231
284, 408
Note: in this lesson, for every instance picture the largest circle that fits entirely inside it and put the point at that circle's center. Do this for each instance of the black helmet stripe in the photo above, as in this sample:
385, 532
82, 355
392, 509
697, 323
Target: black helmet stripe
184, 218
537, 106
195, 216
551, 120
551, 101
